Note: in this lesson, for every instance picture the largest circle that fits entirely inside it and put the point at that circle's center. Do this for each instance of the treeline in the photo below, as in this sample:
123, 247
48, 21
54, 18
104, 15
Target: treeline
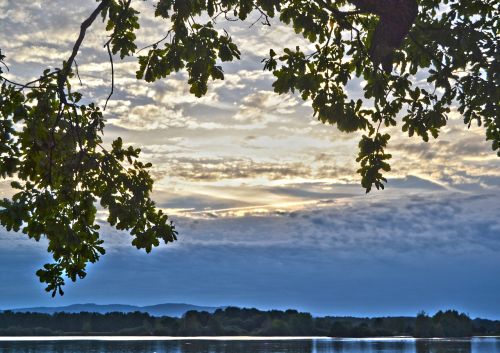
243, 322
453, 324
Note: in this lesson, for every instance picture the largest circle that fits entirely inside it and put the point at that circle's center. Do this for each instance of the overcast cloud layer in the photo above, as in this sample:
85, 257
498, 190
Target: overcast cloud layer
266, 199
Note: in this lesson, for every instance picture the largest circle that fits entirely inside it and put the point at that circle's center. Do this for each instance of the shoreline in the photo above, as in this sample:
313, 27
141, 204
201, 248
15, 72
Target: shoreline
233, 338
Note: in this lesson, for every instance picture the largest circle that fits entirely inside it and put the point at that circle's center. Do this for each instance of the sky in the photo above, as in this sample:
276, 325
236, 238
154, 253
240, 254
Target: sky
267, 202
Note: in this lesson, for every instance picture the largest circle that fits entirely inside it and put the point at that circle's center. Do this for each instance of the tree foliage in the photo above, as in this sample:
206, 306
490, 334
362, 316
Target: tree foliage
233, 321
51, 143
445, 324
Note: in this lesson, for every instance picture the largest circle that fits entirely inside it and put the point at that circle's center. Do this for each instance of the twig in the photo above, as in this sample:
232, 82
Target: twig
112, 76
263, 15
78, 73
20, 85
4, 64
29, 84
155, 43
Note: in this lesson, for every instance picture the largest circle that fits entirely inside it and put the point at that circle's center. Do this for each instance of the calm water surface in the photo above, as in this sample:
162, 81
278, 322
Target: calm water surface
475, 345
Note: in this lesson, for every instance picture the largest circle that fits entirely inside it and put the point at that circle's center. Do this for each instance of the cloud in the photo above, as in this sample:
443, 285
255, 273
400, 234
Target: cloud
442, 222
368, 256
249, 174
285, 137
215, 169
151, 117
266, 105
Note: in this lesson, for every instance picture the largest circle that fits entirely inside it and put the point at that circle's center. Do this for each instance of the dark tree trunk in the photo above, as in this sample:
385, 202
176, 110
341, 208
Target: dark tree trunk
396, 19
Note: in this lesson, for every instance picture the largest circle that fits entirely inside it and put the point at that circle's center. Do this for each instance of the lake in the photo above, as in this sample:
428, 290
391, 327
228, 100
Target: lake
245, 345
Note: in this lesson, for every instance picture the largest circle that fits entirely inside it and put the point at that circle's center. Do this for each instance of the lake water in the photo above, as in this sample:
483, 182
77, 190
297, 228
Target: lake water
246, 345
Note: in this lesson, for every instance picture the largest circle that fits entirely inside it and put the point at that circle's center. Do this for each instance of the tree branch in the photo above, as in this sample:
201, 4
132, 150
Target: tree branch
63, 74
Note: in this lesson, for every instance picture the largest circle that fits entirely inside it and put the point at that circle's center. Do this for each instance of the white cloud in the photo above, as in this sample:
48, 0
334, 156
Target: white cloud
240, 131
150, 117
266, 105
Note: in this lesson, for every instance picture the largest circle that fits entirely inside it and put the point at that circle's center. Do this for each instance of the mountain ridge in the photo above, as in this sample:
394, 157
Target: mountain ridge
165, 309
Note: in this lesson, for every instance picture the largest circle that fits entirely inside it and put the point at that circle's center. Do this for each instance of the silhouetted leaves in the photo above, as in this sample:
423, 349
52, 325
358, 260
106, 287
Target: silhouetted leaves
63, 172
51, 142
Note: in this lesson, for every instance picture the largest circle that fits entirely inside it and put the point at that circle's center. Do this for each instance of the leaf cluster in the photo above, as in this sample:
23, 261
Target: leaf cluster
51, 144
453, 44
63, 175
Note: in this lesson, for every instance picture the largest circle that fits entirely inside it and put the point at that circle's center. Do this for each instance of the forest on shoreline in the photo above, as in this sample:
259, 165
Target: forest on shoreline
234, 321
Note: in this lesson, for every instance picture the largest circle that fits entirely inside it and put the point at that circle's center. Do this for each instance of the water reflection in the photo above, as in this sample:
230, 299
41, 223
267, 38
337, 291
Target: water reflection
489, 345
463, 346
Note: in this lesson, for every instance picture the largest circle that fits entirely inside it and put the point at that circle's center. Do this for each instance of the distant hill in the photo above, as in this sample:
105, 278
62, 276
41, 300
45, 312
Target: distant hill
414, 182
168, 309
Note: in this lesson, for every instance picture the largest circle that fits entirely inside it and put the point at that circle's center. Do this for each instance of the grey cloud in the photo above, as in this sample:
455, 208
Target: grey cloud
200, 202
443, 222
266, 105
464, 146
414, 182
212, 169
315, 191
